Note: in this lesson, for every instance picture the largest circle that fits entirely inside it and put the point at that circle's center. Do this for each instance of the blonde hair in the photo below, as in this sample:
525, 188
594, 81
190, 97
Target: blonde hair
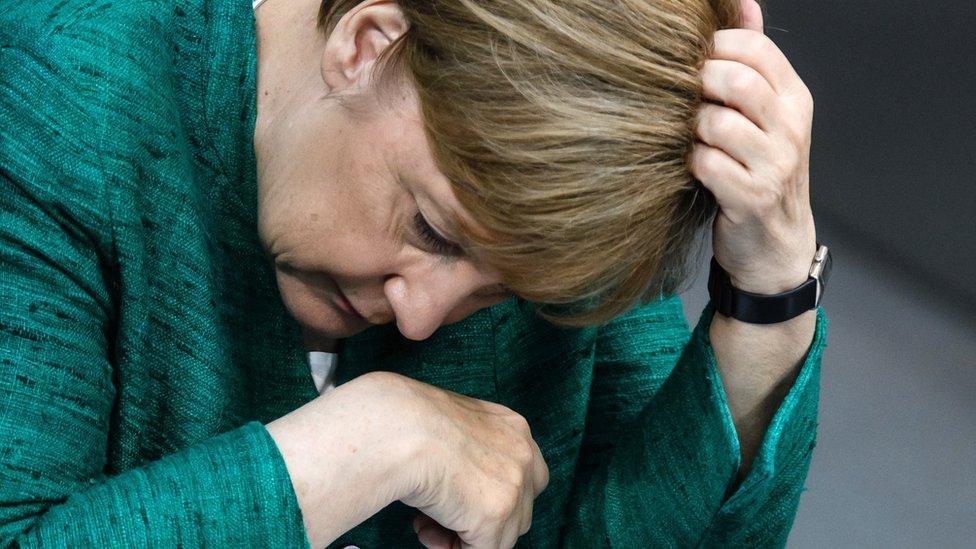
564, 128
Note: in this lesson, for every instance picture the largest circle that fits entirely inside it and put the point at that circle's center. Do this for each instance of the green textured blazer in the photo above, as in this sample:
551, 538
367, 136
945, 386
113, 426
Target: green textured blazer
143, 344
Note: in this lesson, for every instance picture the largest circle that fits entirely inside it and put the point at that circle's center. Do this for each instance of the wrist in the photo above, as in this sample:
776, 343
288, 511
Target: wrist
775, 282
341, 466
779, 277
409, 448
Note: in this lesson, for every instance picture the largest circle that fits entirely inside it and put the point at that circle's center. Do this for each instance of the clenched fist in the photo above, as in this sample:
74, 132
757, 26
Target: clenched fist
477, 472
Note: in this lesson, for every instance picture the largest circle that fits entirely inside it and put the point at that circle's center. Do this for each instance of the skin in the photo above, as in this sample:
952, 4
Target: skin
338, 190
753, 154
335, 192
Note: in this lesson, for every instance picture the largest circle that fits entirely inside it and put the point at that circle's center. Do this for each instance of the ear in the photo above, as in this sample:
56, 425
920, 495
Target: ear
357, 40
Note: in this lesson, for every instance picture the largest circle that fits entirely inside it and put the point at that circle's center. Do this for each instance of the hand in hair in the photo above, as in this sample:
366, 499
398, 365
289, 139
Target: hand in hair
754, 156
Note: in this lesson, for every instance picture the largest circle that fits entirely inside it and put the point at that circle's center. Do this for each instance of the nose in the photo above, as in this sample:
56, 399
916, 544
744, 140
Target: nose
424, 296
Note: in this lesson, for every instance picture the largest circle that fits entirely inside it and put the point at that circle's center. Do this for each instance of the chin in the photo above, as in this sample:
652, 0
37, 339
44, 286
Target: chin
323, 338
331, 324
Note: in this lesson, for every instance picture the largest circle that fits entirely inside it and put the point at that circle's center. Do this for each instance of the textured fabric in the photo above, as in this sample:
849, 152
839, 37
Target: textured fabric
143, 344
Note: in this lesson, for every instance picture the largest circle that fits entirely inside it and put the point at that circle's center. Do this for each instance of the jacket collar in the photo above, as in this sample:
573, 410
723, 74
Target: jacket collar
230, 107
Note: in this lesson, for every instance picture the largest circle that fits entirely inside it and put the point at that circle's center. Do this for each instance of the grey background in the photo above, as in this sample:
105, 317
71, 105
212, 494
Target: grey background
892, 187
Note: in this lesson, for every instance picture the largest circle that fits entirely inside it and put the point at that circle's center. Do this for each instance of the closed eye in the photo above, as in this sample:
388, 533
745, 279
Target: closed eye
435, 242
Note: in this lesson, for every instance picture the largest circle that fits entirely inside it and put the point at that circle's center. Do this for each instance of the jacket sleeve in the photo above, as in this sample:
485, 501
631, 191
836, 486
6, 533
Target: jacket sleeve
57, 394
660, 450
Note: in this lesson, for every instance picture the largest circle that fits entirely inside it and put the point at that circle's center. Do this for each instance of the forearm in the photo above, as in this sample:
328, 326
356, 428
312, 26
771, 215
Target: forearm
662, 475
225, 491
758, 364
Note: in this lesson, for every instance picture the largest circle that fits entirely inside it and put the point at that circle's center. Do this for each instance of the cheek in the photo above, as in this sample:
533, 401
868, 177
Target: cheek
471, 306
304, 296
309, 299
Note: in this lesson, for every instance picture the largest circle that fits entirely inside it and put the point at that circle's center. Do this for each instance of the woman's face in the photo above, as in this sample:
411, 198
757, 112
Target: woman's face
339, 198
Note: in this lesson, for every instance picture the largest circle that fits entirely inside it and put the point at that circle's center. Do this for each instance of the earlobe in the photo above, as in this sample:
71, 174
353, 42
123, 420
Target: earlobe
357, 41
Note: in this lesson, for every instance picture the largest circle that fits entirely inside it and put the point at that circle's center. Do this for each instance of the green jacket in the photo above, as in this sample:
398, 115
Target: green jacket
144, 344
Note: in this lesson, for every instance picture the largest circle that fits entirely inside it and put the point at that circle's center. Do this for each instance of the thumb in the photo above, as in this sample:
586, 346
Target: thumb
752, 17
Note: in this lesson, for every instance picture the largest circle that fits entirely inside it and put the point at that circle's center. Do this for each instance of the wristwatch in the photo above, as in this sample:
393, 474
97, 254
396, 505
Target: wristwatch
769, 309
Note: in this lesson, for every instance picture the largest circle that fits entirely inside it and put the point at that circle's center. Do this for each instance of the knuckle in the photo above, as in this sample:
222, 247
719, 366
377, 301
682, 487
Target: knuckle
802, 101
520, 422
758, 43
765, 43
702, 164
711, 72
496, 408
520, 427
514, 474
808, 100
504, 412
502, 505
742, 82
805, 96
726, 122
522, 453
714, 123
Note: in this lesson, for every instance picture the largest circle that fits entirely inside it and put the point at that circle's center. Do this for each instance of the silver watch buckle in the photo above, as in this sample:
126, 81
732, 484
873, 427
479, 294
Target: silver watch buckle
817, 267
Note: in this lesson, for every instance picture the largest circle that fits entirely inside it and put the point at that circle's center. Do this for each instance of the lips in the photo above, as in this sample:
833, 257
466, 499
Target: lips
346, 305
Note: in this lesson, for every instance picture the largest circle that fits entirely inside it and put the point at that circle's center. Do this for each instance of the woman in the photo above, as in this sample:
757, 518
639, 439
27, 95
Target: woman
196, 195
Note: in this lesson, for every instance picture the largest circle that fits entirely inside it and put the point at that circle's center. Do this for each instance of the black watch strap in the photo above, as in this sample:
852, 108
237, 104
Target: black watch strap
769, 309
